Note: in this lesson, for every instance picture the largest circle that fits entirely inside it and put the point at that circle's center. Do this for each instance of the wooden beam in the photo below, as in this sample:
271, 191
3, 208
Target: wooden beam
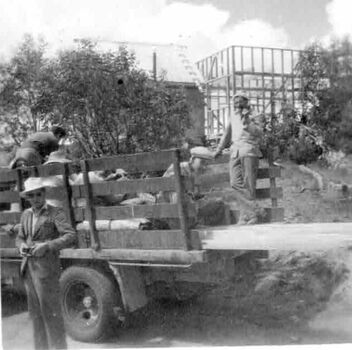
210, 180
90, 211
133, 186
9, 196
163, 256
181, 200
300, 237
10, 217
7, 175
134, 163
68, 195
147, 239
137, 211
143, 255
261, 193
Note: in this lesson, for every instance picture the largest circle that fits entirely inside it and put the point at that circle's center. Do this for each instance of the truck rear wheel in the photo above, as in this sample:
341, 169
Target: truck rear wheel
88, 298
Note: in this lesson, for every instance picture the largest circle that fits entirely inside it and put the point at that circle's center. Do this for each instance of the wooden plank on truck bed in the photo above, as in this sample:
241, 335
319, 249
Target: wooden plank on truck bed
134, 211
170, 256
301, 237
132, 186
7, 217
134, 163
261, 193
9, 196
208, 180
7, 175
147, 239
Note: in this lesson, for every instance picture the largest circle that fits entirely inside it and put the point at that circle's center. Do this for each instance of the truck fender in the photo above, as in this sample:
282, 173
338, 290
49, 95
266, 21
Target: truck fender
132, 286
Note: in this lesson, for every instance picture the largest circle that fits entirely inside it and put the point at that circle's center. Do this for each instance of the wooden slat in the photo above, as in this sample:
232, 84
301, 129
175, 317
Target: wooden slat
264, 193
153, 239
79, 214
163, 256
275, 214
10, 217
300, 237
271, 215
19, 185
7, 175
50, 169
139, 211
9, 196
209, 180
90, 211
56, 169
261, 193
4, 186
68, 195
181, 200
55, 193
132, 186
134, 163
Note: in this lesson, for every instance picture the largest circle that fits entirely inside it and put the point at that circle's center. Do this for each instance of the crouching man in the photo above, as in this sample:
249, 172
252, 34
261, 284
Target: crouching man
43, 232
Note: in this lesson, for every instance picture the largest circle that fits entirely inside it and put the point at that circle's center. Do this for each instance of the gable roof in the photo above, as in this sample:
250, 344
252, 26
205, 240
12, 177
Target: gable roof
172, 61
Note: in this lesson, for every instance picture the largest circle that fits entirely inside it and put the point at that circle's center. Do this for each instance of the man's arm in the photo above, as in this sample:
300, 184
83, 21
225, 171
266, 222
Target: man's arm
254, 125
68, 235
224, 141
21, 241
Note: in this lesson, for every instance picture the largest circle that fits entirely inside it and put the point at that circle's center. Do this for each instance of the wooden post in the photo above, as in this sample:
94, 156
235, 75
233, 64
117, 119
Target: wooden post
263, 79
242, 69
233, 51
181, 202
68, 195
293, 80
19, 184
272, 178
90, 210
154, 66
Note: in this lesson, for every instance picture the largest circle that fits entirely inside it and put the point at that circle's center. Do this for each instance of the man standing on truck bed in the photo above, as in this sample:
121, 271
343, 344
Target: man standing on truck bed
244, 131
42, 143
43, 232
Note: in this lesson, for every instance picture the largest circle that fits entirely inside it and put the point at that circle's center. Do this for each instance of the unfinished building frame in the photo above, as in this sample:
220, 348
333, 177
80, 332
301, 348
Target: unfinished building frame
268, 75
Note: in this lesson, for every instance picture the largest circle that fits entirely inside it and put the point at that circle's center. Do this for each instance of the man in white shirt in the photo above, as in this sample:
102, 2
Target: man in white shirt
244, 132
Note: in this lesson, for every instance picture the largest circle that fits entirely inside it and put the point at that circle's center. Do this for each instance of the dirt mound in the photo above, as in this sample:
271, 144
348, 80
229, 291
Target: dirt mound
298, 285
288, 288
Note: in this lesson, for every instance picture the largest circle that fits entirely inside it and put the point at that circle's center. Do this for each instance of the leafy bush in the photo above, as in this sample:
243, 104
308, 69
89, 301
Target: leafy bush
107, 103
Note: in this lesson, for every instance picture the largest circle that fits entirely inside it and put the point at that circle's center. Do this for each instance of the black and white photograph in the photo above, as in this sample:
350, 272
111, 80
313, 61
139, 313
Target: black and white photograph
176, 174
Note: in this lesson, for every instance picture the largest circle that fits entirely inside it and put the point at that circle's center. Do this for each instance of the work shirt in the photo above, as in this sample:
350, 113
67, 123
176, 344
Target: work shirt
244, 132
36, 214
43, 142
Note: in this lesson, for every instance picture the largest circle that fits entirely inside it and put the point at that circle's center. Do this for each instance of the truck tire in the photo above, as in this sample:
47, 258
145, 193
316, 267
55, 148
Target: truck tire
88, 298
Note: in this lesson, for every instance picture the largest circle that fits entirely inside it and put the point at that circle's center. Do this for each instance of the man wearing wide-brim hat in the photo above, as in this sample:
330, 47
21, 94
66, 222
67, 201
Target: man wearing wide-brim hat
243, 132
44, 231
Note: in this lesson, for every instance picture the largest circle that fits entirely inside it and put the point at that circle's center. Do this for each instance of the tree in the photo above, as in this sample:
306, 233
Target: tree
25, 93
327, 91
113, 107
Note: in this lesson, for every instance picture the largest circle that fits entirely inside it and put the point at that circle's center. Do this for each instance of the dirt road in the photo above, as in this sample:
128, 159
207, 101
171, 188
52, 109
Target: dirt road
292, 299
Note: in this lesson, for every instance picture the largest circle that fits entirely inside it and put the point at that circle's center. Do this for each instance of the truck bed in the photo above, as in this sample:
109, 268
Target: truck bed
277, 236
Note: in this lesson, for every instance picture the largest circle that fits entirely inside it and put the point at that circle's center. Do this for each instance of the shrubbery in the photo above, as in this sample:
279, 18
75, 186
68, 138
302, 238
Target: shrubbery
107, 103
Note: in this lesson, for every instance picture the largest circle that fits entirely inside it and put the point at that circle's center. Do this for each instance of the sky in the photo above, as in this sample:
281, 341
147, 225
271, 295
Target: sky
205, 26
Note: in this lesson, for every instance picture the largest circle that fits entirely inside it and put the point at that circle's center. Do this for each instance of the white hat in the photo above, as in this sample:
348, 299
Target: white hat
202, 153
57, 157
241, 93
32, 184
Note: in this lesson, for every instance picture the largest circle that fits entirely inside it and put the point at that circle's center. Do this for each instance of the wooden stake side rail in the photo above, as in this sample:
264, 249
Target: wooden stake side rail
136, 163
300, 237
151, 256
134, 211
